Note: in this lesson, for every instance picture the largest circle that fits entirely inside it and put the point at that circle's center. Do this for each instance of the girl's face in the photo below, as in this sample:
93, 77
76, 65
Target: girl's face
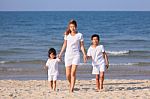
72, 28
95, 41
52, 56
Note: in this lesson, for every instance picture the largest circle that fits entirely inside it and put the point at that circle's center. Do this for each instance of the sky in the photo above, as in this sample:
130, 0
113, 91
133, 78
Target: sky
74, 5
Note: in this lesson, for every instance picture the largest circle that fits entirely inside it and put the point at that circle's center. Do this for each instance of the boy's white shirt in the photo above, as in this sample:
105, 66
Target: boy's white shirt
97, 55
73, 43
52, 65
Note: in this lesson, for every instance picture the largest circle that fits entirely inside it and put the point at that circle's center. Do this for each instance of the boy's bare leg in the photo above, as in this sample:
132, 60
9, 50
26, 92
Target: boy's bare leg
51, 85
73, 77
54, 85
101, 80
97, 82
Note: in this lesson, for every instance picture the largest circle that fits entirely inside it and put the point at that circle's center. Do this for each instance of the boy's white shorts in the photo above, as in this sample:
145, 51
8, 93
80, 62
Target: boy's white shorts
97, 69
52, 77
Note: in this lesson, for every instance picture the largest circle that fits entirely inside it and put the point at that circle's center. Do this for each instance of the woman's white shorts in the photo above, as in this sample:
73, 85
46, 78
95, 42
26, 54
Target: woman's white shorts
72, 59
97, 69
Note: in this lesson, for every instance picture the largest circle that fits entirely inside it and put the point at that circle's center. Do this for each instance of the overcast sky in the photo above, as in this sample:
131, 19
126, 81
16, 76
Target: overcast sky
74, 5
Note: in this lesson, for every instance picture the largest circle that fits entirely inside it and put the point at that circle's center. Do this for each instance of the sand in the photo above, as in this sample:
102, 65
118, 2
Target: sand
84, 89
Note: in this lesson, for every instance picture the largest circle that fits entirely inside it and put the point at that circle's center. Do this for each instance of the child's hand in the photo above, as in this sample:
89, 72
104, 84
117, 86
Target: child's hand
89, 57
59, 56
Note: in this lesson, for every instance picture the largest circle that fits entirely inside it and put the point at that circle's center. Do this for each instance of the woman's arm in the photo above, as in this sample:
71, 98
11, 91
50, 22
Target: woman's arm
83, 51
63, 48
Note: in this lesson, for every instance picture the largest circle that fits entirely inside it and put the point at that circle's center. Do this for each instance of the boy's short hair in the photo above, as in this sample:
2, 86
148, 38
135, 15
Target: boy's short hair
51, 50
95, 35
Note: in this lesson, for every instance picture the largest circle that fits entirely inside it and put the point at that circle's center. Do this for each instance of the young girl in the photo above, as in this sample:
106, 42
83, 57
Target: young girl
99, 60
52, 66
73, 41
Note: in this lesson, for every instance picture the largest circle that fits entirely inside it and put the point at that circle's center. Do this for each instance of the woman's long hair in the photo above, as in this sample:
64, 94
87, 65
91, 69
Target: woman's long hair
68, 28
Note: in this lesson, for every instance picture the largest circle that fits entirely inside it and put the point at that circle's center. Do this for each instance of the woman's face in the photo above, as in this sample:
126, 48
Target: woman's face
72, 28
95, 41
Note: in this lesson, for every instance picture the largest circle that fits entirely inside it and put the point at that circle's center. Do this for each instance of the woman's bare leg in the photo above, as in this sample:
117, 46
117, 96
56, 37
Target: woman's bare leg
73, 77
68, 74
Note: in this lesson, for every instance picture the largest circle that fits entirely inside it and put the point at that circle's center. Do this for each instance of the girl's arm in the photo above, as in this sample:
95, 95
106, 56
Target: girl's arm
46, 67
106, 59
83, 51
63, 48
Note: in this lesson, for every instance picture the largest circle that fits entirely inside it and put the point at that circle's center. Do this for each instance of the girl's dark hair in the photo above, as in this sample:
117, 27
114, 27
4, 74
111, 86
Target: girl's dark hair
51, 50
68, 29
95, 35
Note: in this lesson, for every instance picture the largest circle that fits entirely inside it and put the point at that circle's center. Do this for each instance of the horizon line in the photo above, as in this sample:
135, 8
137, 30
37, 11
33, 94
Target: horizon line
74, 10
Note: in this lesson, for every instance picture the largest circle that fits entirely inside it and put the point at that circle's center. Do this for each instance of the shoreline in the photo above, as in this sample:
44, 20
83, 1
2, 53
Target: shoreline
37, 89
83, 72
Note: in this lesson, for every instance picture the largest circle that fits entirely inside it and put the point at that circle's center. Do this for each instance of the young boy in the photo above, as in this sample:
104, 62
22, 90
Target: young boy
52, 66
99, 60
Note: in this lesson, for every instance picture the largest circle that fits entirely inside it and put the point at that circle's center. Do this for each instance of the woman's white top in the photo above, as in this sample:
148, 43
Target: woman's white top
97, 55
52, 65
73, 43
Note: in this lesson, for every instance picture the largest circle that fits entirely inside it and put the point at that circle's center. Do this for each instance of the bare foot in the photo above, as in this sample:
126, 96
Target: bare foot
101, 90
97, 90
71, 90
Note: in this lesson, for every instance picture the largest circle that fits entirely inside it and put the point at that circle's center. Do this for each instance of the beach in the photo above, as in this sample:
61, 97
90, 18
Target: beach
26, 36
84, 89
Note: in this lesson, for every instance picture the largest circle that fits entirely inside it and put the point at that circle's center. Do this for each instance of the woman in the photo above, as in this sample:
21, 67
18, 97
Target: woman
73, 41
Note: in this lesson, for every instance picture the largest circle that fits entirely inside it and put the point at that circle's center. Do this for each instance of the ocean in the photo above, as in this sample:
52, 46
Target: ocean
26, 36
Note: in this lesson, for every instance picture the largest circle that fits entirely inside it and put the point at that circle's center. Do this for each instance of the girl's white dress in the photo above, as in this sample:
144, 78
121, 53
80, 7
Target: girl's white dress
52, 65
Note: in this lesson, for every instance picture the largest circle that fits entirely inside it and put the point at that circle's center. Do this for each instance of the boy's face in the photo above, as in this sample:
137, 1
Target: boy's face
52, 55
95, 41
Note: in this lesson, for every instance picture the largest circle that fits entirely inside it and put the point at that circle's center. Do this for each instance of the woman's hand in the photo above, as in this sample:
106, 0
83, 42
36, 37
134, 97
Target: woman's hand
84, 58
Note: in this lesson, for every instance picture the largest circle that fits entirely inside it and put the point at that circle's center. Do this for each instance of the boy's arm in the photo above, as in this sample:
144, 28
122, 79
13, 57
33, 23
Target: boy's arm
106, 59
89, 57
